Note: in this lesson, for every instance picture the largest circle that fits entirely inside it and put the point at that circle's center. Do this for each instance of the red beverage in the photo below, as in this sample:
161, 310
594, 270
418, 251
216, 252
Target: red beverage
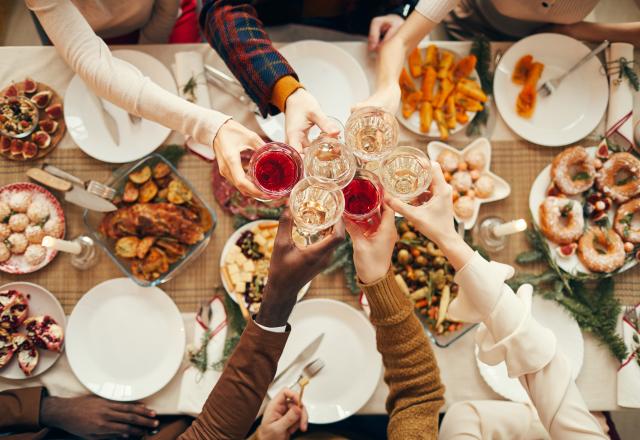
362, 199
275, 169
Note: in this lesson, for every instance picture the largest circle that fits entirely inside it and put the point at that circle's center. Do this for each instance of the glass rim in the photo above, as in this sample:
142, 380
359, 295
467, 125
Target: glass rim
331, 188
373, 178
347, 175
426, 165
269, 147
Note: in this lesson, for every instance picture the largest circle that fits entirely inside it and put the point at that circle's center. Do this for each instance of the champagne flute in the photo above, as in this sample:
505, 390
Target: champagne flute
371, 132
330, 161
316, 206
406, 174
363, 198
275, 168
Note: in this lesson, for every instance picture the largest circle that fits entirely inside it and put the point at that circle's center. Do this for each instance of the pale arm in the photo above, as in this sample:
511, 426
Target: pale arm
91, 59
158, 29
597, 32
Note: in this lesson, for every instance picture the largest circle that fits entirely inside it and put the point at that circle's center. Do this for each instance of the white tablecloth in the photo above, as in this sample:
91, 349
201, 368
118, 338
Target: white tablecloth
597, 381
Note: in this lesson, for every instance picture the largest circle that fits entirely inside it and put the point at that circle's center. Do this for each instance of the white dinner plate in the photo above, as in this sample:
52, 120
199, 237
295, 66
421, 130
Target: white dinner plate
413, 122
83, 115
570, 343
348, 348
329, 73
573, 110
125, 342
229, 244
538, 193
41, 302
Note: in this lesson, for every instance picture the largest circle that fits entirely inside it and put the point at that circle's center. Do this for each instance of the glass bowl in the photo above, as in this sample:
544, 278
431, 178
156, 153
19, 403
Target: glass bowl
22, 101
446, 340
208, 222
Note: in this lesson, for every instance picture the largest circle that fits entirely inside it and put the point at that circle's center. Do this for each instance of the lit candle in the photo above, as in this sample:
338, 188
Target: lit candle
509, 228
72, 247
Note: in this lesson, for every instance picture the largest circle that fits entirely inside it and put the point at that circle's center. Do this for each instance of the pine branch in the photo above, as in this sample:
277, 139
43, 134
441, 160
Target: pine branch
481, 48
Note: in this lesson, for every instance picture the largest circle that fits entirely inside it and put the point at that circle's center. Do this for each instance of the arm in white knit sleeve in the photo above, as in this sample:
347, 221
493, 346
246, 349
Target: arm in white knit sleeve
435, 10
509, 333
163, 17
91, 59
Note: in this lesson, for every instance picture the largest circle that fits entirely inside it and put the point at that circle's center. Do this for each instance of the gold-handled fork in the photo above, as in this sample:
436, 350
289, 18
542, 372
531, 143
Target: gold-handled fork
309, 371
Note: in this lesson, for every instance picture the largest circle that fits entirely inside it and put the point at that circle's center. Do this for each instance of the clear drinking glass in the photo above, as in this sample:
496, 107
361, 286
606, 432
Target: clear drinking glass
362, 199
316, 206
371, 132
329, 160
315, 132
406, 173
275, 168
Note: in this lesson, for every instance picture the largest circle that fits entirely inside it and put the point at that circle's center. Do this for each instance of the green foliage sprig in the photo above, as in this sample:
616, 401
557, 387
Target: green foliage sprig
627, 71
343, 259
235, 326
481, 48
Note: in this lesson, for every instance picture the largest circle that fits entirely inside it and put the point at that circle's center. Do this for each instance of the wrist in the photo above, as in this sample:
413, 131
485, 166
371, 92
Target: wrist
372, 276
455, 249
276, 306
49, 416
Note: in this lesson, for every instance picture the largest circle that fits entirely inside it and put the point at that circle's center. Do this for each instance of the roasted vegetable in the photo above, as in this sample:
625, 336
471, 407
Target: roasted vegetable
411, 103
415, 63
140, 176
144, 246
450, 112
431, 58
446, 87
521, 70
148, 191
426, 117
126, 247
526, 102
178, 193
161, 170
471, 89
428, 82
406, 83
446, 62
464, 67
130, 193
441, 121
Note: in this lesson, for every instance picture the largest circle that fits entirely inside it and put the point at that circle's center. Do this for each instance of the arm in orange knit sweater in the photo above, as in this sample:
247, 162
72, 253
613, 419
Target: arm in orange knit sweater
415, 390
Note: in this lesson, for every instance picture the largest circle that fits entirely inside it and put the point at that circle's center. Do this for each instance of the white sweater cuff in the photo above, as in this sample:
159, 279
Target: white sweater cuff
435, 10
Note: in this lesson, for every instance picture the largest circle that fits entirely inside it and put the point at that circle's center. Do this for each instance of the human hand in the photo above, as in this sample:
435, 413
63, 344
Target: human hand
291, 268
302, 112
434, 219
96, 418
283, 416
231, 139
372, 252
382, 28
387, 98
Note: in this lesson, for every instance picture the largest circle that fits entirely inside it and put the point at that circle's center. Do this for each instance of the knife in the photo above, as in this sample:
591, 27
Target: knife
72, 193
55, 171
306, 353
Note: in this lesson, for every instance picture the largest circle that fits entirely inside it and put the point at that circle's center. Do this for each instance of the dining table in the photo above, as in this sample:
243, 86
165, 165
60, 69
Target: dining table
514, 159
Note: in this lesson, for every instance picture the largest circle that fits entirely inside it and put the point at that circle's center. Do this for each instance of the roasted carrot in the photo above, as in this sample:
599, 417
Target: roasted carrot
446, 62
450, 112
464, 67
461, 115
405, 81
410, 103
438, 115
471, 89
428, 81
426, 117
467, 103
521, 71
431, 56
446, 87
415, 63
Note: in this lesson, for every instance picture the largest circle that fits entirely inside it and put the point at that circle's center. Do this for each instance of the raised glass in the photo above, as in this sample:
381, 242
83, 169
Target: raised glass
405, 174
363, 200
330, 161
275, 168
371, 133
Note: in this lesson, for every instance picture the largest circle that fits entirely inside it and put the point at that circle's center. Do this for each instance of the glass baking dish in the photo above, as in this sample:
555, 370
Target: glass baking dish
120, 177
444, 341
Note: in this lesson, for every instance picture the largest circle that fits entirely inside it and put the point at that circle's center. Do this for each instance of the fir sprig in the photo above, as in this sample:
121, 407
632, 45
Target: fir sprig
236, 325
481, 48
343, 259
626, 70
589, 298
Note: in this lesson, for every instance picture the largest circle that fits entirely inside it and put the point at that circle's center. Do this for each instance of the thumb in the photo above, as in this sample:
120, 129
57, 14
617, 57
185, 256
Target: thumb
288, 420
325, 124
400, 207
374, 33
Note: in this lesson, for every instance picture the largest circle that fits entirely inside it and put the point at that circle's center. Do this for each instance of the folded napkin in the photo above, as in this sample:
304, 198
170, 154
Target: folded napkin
196, 385
619, 114
192, 86
629, 371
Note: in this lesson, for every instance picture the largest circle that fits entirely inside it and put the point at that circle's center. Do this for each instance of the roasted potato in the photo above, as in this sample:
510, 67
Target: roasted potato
130, 193
148, 191
179, 193
172, 248
126, 247
144, 246
161, 170
140, 176
162, 195
155, 264
415, 63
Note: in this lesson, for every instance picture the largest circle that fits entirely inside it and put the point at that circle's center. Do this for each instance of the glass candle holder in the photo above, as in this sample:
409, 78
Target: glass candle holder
405, 173
371, 133
363, 200
315, 207
330, 161
492, 232
275, 168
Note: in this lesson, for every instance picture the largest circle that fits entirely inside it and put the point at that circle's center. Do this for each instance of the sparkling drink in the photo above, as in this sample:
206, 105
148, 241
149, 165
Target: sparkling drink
316, 206
330, 161
371, 132
406, 173
363, 198
275, 168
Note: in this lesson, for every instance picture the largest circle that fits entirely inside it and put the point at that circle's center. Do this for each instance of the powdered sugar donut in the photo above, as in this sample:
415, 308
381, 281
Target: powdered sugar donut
5, 211
38, 211
5, 231
448, 161
18, 222
475, 159
484, 186
464, 207
34, 234
53, 228
17, 243
461, 181
19, 201
5, 253
35, 254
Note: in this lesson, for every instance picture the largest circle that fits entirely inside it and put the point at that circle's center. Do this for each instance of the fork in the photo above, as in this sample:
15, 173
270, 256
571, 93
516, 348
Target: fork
309, 371
549, 86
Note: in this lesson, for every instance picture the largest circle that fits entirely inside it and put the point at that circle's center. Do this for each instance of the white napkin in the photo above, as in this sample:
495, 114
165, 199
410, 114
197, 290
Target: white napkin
196, 386
629, 372
620, 111
190, 64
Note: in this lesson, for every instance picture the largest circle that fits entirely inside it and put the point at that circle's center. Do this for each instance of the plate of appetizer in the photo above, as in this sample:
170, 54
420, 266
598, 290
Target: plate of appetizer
329, 73
468, 172
426, 277
125, 342
571, 112
570, 342
32, 325
244, 263
31, 120
352, 365
586, 203
440, 91
89, 117
161, 223
28, 213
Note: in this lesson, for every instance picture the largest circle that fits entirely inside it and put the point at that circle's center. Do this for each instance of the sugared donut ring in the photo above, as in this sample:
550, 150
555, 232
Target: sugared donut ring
619, 177
573, 171
561, 220
448, 161
601, 250
623, 223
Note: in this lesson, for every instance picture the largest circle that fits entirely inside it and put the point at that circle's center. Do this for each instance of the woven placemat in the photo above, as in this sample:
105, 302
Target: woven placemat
518, 162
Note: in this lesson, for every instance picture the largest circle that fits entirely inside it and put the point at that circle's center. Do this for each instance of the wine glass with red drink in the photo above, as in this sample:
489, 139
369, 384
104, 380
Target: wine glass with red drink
363, 200
275, 168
